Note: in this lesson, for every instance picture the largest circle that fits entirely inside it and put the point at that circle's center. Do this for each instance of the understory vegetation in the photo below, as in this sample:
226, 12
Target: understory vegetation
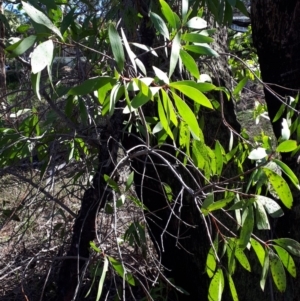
140, 155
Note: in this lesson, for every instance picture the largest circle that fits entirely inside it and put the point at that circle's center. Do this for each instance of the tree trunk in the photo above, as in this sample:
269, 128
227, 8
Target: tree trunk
276, 36
2, 60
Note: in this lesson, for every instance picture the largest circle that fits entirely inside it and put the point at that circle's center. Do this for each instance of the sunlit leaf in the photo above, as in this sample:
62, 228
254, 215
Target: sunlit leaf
168, 13
242, 259
196, 38
160, 25
262, 221
203, 49
192, 93
40, 18
233, 291
120, 271
196, 23
189, 63
270, 205
286, 146
280, 186
42, 56
265, 270
292, 246
257, 154
161, 75
259, 251
277, 271
216, 286
247, 228
286, 260
175, 52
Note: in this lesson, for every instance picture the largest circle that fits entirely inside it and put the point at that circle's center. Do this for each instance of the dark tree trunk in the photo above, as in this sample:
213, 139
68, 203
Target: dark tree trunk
276, 36
2, 59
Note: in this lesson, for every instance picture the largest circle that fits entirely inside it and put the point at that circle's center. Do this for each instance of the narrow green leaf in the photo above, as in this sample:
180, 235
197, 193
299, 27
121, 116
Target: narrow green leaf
187, 115
168, 13
277, 271
216, 286
286, 260
101, 282
211, 263
286, 146
175, 52
259, 250
233, 291
114, 185
163, 119
189, 63
219, 204
196, 38
129, 181
201, 49
262, 221
247, 228
288, 172
292, 246
22, 46
92, 85
279, 113
161, 75
240, 85
160, 25
67, 20
35, 82
196, 23
265, 270
120, 271
129, 51
192, 93
143, 96
39, 17
280, 186
116, 46
208, 201
242, 259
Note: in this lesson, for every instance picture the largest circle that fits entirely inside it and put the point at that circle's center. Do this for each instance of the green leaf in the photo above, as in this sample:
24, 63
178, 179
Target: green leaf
116, 46
169, 108
67, 20
208, 201
201, 49
196, 38
189, 63
288, 172
240, 5
23, 28
143, 96
286, 146
192, 93
280, 186
277, 271
187, 115
92, 85
211, 263
280, 112
196, 23
114, 185
160, 25
101, 281
35, 82
131, 55
219, 204
259, 250
42, 56
165, 122
232, 288
265, 270
120, 271
242, 259
292, 246
270, 205
247, 227
240, 85
286, 260
94, 247
129, 181
175, 52
262, 221
161, 75
21, 47
168, 13
38, 17
216, 286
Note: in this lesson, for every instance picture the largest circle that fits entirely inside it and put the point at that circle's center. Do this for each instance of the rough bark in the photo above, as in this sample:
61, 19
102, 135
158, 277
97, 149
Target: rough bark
276, 36
2, 59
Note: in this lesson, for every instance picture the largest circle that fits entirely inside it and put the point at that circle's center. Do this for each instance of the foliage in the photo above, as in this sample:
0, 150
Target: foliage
118, 80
